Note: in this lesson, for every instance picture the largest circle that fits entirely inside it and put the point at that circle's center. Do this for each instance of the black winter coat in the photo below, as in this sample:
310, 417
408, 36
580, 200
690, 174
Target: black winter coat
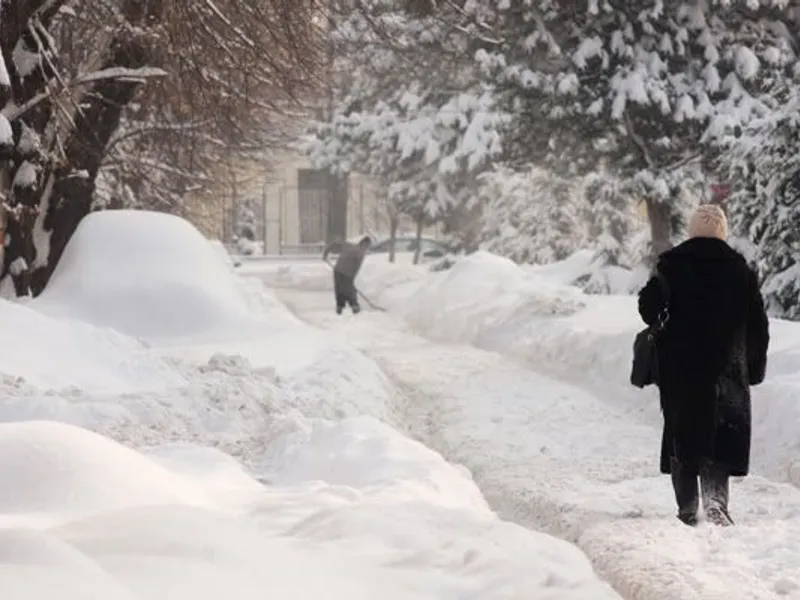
714, 347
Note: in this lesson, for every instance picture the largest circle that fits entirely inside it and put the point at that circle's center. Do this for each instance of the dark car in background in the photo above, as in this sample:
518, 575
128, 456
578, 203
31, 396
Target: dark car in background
405, 248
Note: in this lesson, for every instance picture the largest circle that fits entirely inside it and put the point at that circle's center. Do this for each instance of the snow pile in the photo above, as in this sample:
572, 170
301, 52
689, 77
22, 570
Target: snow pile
577, 457
488, 301
145, 274
369, 512
364, 453
385, 485
54, 353
478, 291
153, 276
585, 269
53, 472
235, 357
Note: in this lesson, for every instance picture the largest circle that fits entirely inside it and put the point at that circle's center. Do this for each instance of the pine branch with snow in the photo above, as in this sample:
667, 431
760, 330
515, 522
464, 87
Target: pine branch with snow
765, 211
416, 117
641, 86
612, 221
531, 216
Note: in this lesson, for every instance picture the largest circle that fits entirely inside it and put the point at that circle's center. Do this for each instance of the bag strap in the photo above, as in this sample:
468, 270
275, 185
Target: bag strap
666, 296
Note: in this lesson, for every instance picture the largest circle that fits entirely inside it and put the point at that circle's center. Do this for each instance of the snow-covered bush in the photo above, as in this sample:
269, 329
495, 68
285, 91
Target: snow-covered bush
531, 216
765, 212
245, 220
612, 220
641, 86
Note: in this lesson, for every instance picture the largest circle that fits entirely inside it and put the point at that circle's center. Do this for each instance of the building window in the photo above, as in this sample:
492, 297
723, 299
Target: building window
312, 205
322, 206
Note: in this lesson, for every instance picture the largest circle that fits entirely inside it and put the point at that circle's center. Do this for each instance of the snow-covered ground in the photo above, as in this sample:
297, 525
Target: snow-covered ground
524, 381
170, 430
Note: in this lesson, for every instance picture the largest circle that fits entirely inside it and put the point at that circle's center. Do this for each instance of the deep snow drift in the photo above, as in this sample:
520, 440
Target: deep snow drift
488, 301
318, 485
57, 353
575, 452
365, 510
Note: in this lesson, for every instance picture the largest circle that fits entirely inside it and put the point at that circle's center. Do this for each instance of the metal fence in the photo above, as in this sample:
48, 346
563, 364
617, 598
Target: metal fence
291, 220
288, 220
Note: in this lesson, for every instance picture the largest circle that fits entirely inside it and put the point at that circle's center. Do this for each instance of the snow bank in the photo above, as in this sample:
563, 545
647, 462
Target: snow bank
223, 401
480, 290
388, 488
362, 452
367, 511
145, 274
153, 276
584, 270
54, 472
53, 353
82, 517
490, 302
218, 388
594, 347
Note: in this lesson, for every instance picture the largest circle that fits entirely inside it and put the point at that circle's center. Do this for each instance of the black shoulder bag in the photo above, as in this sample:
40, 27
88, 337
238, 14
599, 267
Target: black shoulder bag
645, 362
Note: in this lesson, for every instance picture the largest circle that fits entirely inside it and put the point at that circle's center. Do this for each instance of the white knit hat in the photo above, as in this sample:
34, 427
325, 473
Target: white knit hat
708, 221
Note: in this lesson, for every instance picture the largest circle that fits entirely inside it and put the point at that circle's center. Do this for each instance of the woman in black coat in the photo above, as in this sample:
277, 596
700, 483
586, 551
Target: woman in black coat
713, 348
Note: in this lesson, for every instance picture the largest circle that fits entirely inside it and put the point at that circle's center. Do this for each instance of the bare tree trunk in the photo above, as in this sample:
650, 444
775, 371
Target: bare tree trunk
394, 223
95, 123
659, 214
24, 25
420, 220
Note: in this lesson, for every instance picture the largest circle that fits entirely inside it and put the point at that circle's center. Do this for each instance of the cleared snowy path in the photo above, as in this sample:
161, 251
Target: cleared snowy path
553, 457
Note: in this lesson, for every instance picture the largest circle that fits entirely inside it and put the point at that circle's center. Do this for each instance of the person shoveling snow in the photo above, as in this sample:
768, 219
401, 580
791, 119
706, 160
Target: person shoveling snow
345, 270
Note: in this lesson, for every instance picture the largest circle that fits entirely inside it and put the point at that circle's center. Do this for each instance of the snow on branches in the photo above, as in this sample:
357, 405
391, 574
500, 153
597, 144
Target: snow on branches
420, 150
765, 210
533, 216
655, 94
645, 85
415, 116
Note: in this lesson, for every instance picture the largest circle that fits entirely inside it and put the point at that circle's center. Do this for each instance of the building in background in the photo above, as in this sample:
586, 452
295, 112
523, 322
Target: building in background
284, 206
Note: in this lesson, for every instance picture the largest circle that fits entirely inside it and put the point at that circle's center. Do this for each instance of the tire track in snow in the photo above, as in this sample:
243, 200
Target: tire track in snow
553, 457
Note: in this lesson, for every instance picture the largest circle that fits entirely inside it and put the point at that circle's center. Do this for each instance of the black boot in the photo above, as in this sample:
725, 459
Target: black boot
715, 488
684, 482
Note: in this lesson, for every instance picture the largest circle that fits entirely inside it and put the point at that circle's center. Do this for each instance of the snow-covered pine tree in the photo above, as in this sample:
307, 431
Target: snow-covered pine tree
778, 258
641, 84
531, 217
612, 222
415, 116
765, 211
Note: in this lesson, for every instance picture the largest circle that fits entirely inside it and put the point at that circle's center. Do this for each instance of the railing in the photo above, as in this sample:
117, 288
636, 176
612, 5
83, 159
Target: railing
287, 252
316, 249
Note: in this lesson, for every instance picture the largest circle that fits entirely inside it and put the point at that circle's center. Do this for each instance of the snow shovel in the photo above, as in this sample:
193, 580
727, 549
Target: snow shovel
363, 297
